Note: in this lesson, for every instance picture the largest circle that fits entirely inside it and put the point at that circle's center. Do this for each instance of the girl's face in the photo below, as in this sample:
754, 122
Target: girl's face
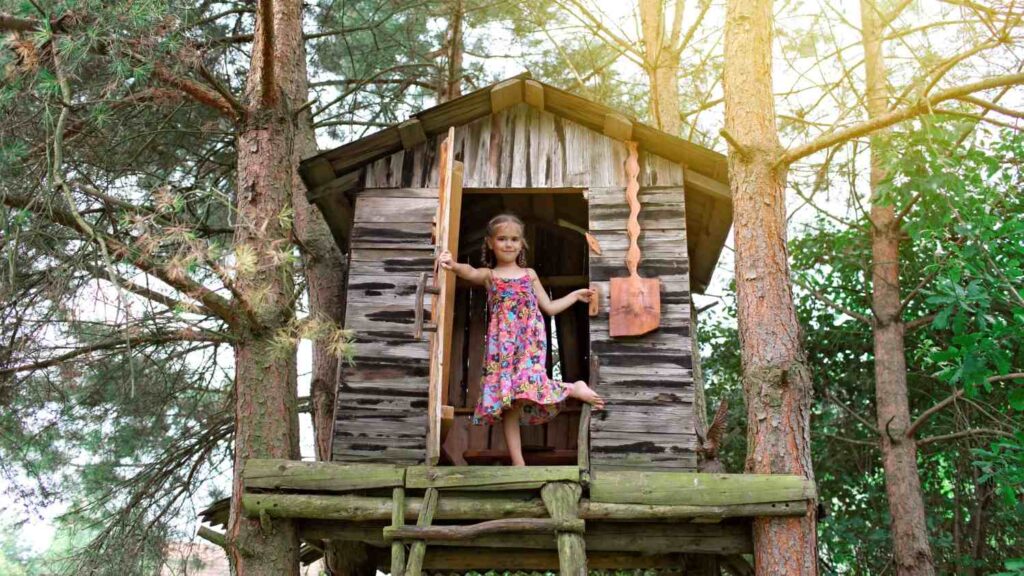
506, 242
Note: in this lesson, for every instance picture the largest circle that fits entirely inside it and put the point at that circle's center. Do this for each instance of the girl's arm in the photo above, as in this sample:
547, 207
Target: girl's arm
553, 308
478, 276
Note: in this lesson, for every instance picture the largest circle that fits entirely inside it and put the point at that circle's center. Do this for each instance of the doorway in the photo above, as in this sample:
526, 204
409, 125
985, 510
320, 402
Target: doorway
555, 221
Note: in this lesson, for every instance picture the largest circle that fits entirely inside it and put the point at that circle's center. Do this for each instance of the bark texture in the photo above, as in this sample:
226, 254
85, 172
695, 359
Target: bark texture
450, 86
899, 450
776, 380
266, 421
661, 64
324, 265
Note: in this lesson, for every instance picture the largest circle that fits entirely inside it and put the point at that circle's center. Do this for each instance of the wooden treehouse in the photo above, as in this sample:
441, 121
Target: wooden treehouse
410, 477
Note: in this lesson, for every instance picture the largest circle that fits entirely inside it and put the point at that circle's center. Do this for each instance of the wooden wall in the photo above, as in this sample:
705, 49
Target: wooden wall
522, 147
381, 412
648, 380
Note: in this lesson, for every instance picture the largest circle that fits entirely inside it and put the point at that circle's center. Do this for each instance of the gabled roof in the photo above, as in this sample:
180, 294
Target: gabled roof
330, 175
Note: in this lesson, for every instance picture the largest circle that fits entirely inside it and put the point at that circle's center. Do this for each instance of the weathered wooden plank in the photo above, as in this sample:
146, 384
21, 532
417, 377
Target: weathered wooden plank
618, 127
654, 195
698, 489
533, 94
577, 157
652, 217
318, 476
411, 133
398, 192
406, 351
487, 477
395, 210
640, 420
669, 243
506, 94
353, 155
408, 235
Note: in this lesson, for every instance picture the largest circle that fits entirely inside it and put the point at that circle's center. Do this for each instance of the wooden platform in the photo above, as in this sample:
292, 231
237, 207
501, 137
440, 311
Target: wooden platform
479, 515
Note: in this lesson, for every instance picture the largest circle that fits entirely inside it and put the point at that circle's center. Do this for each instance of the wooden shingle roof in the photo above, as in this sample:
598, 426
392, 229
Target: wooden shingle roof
332, 174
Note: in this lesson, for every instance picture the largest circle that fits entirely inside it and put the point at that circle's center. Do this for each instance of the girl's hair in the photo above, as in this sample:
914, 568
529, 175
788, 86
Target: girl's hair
487, 255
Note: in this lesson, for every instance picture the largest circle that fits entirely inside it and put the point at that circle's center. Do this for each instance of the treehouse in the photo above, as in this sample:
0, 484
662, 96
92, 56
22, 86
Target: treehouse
608, 202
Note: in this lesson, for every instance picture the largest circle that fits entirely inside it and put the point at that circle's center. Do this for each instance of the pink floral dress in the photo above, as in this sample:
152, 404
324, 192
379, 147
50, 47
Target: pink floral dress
516, 354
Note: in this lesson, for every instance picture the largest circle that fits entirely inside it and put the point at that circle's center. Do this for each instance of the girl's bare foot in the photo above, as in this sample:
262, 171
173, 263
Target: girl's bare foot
581, 391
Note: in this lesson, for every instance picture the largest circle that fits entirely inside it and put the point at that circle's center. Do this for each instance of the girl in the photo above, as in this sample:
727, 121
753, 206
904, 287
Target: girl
515, 381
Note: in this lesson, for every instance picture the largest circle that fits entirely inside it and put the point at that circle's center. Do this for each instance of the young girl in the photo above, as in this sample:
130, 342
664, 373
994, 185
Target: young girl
516, 386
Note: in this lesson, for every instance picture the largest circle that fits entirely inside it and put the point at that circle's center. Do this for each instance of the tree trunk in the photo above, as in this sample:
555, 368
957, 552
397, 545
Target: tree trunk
451, 84
661, 63
266, 421
899, 452
776, 379
324, 265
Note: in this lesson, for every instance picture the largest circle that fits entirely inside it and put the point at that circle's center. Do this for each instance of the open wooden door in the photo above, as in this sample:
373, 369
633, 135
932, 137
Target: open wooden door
446, 235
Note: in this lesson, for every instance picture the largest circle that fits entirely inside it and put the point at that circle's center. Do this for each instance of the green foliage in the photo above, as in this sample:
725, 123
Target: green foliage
963, 247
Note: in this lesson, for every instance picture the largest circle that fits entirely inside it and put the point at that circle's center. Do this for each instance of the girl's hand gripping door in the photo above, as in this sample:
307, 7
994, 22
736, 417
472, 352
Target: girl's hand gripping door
446, 237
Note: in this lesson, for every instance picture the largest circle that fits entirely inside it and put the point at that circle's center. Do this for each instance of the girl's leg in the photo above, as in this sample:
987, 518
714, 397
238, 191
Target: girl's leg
510, 425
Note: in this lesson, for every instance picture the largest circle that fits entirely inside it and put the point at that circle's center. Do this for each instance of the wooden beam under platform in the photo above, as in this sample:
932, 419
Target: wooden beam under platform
493, 506
296, 475
648, 538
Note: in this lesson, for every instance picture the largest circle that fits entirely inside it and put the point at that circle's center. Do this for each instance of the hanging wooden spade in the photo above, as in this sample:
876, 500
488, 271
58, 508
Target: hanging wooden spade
635, 302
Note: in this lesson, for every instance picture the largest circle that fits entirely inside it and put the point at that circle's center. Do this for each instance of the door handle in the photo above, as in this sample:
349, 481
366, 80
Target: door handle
421, 290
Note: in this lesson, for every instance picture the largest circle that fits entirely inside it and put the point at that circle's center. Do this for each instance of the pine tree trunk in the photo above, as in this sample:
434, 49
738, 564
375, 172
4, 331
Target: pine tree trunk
899, 452
324, 265
776, 379
266, 422
451, 82
661, 64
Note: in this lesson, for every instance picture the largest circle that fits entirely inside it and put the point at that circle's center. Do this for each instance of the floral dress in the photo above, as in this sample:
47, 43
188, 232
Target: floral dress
516, 354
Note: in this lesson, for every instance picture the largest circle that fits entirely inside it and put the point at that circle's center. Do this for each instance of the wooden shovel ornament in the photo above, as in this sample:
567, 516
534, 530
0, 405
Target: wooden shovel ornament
634, 302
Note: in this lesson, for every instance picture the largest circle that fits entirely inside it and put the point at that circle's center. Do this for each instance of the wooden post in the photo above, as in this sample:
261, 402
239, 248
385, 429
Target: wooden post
563, 501
397, 521
419, 548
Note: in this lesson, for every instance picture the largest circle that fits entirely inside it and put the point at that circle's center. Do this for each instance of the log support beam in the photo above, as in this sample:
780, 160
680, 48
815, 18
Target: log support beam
397, 521
563, 502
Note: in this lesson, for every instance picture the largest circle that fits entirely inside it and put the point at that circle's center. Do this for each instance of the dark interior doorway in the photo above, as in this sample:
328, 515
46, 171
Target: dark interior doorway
555, 223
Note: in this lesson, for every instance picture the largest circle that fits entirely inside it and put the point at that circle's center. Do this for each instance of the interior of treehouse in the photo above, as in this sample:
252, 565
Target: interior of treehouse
555, 226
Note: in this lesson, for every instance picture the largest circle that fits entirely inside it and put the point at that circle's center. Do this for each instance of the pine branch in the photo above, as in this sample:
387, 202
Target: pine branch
115, 342
194, 90
149, 293
223, 308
